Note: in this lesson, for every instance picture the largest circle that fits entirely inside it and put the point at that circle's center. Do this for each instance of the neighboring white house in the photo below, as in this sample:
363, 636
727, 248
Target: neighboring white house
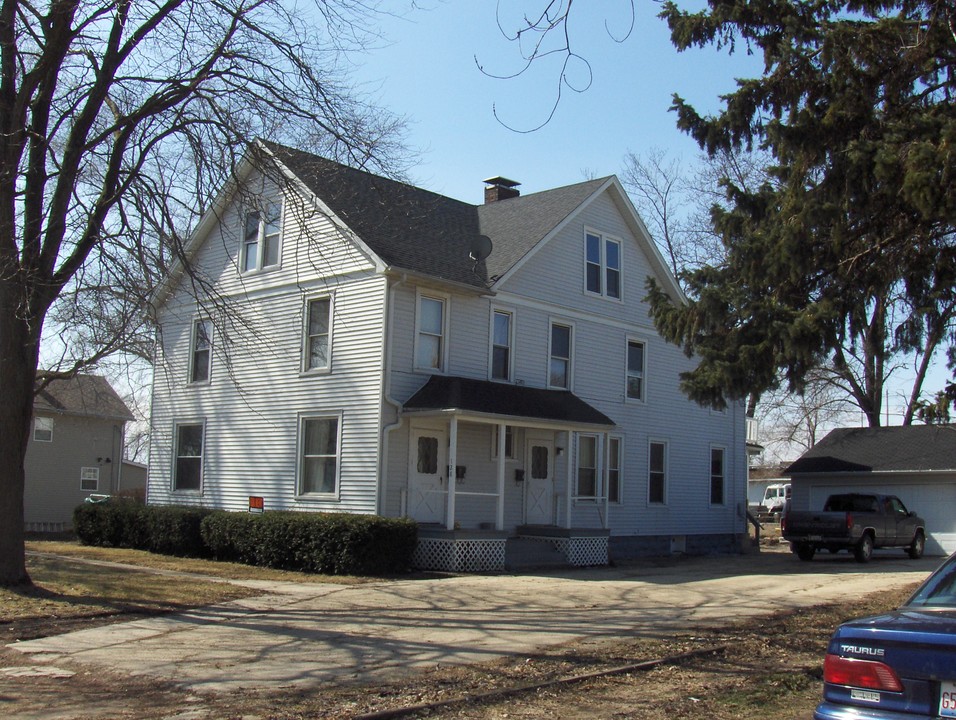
75, 450
363, 345
916, 463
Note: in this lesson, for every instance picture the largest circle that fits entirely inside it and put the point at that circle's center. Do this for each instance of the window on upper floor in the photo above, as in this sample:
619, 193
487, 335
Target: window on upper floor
261, 238
43, 429
201, 353
318, 334
190, 445
635, 370
559, 366
657, 472
430, 333
717, 474
318, 455
501, 335
602, 265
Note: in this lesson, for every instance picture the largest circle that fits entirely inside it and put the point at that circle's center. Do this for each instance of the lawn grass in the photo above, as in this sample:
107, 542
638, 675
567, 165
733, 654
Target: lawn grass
65, 585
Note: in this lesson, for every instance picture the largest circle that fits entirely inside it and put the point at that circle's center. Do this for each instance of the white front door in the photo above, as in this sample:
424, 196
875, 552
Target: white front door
427, 481
539, 482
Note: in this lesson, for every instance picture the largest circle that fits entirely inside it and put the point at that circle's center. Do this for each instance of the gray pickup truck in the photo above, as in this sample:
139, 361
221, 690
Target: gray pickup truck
857, 522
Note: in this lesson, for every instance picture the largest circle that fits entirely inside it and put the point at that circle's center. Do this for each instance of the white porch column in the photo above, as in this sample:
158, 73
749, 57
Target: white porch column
452, 464
569, 467
500, 514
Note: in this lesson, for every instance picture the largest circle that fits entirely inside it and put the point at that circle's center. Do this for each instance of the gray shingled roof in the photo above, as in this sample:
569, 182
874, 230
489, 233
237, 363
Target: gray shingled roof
442, 392
423, 232
84, 395
916, 448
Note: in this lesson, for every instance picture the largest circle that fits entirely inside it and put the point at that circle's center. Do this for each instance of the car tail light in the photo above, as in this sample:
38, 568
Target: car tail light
849, 521
860, 673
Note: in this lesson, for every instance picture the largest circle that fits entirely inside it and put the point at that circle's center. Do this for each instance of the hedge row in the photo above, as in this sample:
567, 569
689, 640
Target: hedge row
328, 543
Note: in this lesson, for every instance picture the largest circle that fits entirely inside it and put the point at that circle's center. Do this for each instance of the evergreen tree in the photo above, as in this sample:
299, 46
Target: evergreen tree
846, 256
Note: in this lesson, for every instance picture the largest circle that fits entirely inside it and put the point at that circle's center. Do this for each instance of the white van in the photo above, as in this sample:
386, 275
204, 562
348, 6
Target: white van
775, 498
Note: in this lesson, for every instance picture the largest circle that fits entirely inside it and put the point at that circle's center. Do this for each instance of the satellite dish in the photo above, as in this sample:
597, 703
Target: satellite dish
480, 248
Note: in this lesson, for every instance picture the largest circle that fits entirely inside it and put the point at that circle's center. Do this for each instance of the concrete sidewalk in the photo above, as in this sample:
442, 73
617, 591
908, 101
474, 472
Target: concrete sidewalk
309, 634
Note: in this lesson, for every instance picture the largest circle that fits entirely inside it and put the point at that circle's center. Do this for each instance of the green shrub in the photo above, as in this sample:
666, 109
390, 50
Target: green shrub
125, 523
329, 543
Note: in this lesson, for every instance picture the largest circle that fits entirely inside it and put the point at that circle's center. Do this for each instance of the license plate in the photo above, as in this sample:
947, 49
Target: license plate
947, 699
814, 538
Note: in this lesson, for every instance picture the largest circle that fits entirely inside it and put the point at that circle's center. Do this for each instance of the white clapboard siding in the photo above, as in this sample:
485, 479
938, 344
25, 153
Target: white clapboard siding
257, 391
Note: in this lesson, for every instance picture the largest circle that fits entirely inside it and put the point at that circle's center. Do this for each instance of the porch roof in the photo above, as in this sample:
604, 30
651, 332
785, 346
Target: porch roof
446, 395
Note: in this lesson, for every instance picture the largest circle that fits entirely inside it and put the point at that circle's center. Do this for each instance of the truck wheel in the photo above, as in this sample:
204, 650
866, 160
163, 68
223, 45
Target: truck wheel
864, 549
806, 552
915, 550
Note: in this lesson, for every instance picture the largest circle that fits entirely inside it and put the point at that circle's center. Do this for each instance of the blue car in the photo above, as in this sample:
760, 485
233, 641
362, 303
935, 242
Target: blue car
897, 666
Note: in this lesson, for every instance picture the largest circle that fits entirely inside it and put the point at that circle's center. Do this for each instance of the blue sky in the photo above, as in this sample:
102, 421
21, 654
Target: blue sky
425, 70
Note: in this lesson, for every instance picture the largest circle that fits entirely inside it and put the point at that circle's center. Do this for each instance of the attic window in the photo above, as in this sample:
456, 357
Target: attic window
602, 265
261, 238
43, 429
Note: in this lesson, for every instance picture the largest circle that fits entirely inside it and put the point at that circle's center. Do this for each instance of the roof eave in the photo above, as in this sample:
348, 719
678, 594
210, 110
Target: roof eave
514, 420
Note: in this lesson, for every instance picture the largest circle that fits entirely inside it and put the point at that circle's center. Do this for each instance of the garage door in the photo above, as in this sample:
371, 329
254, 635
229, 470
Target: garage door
935, 503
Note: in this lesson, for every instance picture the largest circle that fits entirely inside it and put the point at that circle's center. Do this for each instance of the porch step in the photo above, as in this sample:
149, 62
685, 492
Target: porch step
524, 554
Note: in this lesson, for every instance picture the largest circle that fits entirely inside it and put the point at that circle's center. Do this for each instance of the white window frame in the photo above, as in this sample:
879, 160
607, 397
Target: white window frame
610, 455
300, 458
307, 338
570, 359
258, 264
445, 301
89, 475
206, 324
39, 432
510, 431
174, 472
723, 477
628, 373
509, 370
602, 264
596, 439
666, 470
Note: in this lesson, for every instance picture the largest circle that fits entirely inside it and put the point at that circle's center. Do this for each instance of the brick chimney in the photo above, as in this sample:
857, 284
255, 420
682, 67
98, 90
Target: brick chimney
500, 188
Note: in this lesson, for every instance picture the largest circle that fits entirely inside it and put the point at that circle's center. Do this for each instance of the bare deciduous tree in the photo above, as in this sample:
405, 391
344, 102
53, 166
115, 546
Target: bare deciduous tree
119, 119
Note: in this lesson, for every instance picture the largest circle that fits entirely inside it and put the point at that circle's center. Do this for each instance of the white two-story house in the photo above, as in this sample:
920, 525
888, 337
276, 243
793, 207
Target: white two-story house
346, 343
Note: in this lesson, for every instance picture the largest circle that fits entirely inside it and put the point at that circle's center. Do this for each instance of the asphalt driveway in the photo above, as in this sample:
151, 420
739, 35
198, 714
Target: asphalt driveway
310, 634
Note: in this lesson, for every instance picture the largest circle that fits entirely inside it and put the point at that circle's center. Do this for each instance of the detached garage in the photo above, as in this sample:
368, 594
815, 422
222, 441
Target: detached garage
916, 463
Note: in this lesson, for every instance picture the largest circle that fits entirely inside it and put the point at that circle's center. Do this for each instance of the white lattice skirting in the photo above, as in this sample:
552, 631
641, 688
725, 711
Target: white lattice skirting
460, 555
580, 551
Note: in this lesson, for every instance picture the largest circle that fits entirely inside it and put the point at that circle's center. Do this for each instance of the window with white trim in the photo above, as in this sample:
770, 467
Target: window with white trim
318, 334
501, 334
318, 455
587, 475
717, 474
188, 467
635, 370
559, 365
615, 448
201, 353
602, 265
509, 442
430, 333
657, 472
261, 238
89, 479
43, 429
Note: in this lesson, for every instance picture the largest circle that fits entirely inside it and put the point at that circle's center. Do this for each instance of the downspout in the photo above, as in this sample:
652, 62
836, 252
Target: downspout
387, 396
